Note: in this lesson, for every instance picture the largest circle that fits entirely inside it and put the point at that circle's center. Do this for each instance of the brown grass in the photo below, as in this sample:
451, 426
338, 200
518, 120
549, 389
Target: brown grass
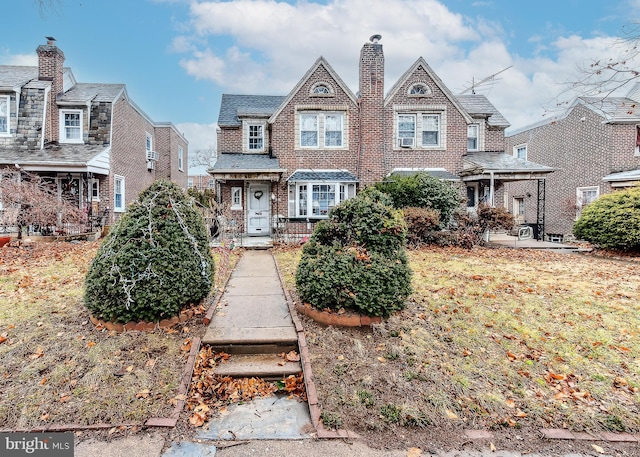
57, 367
490, 338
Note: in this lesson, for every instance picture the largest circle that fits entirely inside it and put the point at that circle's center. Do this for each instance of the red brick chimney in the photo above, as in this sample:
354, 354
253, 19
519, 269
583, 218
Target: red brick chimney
50, 68
371, 111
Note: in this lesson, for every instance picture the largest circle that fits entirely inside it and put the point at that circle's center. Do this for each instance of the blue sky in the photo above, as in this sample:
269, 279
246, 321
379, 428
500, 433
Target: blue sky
178, 56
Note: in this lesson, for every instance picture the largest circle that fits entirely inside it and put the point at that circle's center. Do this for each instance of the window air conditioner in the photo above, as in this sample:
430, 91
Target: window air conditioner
151, 165
152, 155
406, 142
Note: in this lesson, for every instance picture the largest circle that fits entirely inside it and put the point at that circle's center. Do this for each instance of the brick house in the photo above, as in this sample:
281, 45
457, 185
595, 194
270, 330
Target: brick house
292, 158
200, 181
595, 147
89, 139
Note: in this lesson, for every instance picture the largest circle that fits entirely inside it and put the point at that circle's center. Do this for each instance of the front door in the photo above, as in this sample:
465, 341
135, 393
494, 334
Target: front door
259, 215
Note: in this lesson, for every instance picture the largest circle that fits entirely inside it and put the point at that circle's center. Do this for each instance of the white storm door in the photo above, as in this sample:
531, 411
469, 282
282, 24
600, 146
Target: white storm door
258, 216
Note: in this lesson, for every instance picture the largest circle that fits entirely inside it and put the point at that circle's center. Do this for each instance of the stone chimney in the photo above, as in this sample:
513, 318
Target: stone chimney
372, 140
50, 68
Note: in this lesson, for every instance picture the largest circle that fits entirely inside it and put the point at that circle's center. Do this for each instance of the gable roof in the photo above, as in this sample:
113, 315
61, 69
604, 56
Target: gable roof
435, 78
13, 77
479, 105
234, 106
321, 61
86, 92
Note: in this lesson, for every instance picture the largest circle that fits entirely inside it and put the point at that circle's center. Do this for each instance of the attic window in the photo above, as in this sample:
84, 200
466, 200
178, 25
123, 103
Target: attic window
321, 89
419, 89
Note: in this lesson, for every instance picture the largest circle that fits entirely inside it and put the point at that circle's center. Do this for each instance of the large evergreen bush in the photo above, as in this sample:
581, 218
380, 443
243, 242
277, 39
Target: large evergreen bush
153, 262
422, 190
612, 221
356, 259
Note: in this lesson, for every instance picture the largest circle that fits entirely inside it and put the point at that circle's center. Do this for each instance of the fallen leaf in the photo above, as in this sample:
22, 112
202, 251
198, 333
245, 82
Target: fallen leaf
492, 447
2, 339
180, 397
597, 448
44, 417
186, 346
43, 381
91, 344
381, 359
450, 414
510, 403
414, 452
143, 393
293, 356
65, 398
520, 413
197, 419
340, 357
150, 363
129, 368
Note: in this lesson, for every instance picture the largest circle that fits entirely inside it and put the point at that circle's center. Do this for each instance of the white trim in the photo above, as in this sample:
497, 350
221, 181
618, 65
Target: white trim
8, 116
518, 147
180, 158
121, 207
580, 204
309, 208
63, 127
236, 198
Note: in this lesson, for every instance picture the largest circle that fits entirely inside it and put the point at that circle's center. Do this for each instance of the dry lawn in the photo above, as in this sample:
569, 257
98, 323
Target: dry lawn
58, 368
490, 339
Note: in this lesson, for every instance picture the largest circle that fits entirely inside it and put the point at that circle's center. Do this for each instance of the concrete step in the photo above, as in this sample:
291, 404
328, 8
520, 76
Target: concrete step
266, 366
251, 340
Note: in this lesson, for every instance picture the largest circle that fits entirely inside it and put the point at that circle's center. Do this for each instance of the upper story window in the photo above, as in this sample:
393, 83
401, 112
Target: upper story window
419, 89
419, 130
472, 138
190, 183
256, 137
71, 126
321, 130
211, 183
5, 128
321, 89
149, 143
520, 151
180, 158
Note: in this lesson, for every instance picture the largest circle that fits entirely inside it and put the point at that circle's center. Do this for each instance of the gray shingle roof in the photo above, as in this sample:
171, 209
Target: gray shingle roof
632, 175
16, 76
439, 173
480, 105
614, 108
64, 154
232, 106
84, 92
500, 162
322, 175
245, 162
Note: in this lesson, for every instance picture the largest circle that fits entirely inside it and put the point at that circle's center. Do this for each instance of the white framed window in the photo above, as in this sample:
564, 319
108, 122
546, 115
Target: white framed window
314, 200
211, 183
256, 137
419, 130
419, 89
118, 194
190, 183
472, 138
431, 130
5, 125
520, 151
71, 126
321, 130
180, 158
584, 196
236, 198
148, 143
518, 209
95, 190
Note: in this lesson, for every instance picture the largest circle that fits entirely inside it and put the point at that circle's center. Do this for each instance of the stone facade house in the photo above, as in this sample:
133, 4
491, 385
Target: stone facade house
291, 158
89, 139
594, 145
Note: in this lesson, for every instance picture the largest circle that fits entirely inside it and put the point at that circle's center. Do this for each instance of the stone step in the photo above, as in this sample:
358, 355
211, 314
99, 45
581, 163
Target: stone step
265, 366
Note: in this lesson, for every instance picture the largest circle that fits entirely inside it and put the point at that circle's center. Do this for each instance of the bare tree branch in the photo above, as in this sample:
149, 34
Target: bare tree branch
203, 157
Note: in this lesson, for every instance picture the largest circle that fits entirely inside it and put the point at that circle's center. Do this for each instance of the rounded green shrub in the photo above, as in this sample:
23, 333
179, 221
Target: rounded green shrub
612, 221
356, 259
153, 262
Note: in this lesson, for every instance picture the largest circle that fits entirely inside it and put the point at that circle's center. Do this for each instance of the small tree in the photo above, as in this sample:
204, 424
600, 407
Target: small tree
612, 221
154, 261
424, 191
30, 200
356, 259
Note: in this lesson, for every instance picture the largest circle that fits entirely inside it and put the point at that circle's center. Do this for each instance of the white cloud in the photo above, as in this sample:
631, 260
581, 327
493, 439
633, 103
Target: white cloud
28, 60
266, 46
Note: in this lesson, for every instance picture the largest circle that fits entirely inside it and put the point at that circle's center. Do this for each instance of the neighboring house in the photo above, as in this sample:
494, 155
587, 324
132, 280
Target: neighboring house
201, 182
89, 139
595, 148
292, 158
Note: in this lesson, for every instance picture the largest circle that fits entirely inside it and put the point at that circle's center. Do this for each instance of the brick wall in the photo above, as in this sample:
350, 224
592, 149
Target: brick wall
50, 68
167, 144
584, 150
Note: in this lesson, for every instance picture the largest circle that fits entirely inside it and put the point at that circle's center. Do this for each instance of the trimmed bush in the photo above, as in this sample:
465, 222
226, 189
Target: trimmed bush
356, 259
153, 262
424, 191
612, 221
423, 224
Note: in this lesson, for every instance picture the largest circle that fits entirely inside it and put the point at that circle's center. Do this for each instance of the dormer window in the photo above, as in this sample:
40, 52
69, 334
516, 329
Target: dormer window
321, 89
419, 89
4, 115
71, 126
